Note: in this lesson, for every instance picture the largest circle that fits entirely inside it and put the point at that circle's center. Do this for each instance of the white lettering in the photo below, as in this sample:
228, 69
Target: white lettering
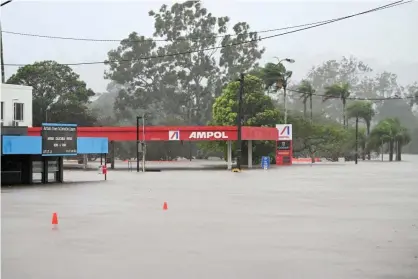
208, 135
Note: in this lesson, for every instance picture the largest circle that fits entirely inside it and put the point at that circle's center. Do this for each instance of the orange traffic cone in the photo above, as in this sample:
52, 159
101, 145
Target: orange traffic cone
165, 206
54, 218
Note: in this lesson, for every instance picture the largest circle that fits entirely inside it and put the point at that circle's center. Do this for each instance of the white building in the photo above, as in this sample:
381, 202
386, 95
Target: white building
16, 105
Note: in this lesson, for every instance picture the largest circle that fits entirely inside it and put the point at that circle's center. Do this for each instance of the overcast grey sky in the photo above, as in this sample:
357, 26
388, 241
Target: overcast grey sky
386, 39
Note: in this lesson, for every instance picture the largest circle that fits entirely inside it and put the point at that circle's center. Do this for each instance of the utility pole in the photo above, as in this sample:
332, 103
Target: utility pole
3, 76
356, 155
239, 120
143, 142
137, 144
381, 149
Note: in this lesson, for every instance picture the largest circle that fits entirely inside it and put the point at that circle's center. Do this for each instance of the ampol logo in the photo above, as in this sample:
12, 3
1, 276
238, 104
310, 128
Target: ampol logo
173, 135
208, 135
285, 131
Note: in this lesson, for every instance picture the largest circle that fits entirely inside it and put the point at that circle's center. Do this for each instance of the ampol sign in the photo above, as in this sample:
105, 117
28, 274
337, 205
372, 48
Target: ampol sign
285, 131
209, 135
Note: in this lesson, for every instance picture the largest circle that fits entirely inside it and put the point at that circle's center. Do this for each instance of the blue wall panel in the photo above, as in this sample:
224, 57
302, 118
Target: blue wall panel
21, 145
92, 145
12, 145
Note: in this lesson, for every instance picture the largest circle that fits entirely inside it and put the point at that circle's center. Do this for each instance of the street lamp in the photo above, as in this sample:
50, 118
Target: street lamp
284, 80
1, 46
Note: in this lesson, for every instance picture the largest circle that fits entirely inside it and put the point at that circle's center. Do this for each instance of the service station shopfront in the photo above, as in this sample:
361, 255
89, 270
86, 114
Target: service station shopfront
39, 159
282, 134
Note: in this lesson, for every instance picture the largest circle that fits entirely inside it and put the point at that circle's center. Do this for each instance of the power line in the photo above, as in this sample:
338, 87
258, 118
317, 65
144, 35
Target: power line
356, 98
391, 5
158, 40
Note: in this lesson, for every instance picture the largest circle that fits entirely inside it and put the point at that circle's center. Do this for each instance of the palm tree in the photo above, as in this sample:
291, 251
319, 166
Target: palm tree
271, 74
363, 110
277, 77
402, 138
341, 91
307, 91
390, 131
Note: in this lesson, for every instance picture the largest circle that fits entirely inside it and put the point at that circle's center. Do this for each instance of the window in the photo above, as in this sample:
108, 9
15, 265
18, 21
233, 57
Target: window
18, 111
2, 108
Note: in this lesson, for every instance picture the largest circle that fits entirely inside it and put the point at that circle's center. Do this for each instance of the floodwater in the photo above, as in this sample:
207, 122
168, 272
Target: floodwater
325, 221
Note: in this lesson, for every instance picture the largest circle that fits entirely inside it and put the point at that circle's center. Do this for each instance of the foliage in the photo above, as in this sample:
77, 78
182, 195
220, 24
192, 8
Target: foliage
275, 76
58, 93
338, 91
182, 85
306, 92
258, 110
389, 131
329, 140
362, 110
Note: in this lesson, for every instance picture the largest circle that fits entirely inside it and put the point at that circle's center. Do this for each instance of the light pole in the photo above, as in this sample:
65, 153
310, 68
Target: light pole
3, 77
283, 79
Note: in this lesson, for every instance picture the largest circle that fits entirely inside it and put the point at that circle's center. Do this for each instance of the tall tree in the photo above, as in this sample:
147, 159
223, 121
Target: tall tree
363, 110
257, 110
345, 70
183, 85
58, 93
338, 91
306, 90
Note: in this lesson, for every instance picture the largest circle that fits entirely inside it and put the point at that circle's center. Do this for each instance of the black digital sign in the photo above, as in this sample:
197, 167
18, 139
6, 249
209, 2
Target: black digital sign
283, 145
59, 139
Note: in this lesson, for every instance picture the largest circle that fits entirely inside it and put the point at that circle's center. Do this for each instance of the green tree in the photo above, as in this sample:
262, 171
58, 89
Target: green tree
181, 85
58, 93
402, 138
341, 91
306, 90
272, 75
319, 138
258, 110
389, 131
362, 110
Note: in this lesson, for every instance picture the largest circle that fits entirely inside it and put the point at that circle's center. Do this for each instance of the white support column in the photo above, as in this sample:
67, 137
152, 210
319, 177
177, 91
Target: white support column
229, 155
85, 160
250, 154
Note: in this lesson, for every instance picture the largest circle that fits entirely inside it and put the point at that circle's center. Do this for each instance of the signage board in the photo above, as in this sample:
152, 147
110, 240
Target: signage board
265, 162
284, 131
173, 135
59, 139
208, 135
283, 145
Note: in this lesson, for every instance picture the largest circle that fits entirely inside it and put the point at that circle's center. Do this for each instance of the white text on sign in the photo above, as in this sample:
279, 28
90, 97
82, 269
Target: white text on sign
208, 135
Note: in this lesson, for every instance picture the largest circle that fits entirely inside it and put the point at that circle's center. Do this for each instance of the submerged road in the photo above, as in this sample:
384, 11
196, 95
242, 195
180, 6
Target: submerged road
325, 221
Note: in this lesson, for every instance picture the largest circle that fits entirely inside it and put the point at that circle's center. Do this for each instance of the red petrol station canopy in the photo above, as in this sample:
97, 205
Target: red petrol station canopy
173, 133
